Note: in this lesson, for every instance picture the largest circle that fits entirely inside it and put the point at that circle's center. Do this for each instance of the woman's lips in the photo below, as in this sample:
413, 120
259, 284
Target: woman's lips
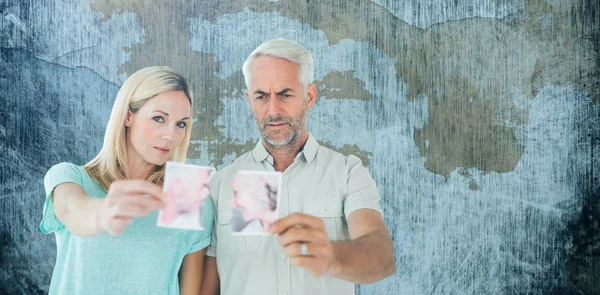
162, 150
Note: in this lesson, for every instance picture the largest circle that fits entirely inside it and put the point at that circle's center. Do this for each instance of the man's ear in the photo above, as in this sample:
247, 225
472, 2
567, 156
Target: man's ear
311, 96
248, 98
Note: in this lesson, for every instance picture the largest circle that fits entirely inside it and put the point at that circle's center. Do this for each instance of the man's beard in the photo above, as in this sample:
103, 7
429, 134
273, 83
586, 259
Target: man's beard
296, 129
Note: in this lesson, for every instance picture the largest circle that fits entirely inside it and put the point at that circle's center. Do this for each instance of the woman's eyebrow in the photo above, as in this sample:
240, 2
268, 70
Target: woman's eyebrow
167, 114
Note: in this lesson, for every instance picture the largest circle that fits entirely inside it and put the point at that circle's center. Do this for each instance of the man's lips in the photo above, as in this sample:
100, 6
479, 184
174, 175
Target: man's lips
277, 124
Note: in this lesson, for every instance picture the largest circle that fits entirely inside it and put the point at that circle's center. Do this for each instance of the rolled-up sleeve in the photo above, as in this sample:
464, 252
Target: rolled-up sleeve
58, 174
204, 236
214, 186
362, 192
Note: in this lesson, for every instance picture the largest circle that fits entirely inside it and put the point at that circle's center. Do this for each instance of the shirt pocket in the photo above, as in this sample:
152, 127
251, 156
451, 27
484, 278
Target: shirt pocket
229, 244
331, 211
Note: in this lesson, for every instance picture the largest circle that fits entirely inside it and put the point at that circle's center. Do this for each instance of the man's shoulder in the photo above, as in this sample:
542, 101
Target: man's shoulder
330, 156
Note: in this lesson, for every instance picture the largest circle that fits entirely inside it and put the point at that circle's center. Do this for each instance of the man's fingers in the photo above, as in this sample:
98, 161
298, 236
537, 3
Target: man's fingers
312, 250
295, 219
293, 250
304, 262
294, 235
312, 264
297, 235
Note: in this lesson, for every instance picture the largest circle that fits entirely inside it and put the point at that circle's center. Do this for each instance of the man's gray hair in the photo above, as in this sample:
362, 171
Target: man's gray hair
288, 50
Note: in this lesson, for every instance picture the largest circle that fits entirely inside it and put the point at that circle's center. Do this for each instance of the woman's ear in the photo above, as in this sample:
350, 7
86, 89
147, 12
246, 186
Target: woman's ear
128, 118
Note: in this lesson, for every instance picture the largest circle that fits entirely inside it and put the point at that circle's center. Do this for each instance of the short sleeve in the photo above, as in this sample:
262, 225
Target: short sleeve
212, 248
204, 236
214, 186
362, 191
58, 174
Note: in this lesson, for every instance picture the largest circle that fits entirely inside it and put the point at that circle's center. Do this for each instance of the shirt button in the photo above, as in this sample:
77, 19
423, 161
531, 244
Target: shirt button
284, 257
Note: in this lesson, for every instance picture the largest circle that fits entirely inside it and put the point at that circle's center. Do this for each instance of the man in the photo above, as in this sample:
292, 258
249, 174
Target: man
331, 232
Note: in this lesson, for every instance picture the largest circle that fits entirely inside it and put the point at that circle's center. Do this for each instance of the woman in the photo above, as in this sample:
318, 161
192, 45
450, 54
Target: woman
104, 213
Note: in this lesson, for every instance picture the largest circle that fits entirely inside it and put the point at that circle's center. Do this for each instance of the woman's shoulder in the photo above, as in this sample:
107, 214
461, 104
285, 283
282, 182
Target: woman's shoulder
74, 171
65, 166
64, 170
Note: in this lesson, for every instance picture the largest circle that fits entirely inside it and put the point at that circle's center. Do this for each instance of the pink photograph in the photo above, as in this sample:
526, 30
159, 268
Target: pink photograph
255, 201
186, 188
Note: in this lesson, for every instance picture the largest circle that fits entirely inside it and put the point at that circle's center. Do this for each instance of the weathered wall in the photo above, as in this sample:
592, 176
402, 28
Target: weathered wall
479, 120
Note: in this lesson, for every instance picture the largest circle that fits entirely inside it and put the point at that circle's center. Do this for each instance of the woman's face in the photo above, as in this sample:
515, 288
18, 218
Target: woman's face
159, 126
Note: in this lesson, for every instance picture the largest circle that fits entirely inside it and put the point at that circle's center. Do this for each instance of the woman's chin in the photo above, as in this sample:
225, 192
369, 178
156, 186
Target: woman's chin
158, 161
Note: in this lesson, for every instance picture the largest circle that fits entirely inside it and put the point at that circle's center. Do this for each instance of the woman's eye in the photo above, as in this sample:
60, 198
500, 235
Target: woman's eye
181, 124
158, 119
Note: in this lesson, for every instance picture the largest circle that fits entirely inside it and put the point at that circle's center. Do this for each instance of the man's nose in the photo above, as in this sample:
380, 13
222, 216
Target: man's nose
274, 106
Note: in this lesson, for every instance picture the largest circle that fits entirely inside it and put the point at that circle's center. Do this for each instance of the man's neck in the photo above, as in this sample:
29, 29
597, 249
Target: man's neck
284, 157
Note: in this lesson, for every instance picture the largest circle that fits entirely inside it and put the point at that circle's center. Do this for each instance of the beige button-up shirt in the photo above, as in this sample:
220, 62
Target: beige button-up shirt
320, 182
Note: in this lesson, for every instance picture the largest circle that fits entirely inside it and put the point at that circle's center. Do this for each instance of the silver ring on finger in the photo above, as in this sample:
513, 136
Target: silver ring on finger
303, 249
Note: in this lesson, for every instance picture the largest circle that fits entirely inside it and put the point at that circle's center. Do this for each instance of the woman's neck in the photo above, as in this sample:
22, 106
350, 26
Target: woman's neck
138, 168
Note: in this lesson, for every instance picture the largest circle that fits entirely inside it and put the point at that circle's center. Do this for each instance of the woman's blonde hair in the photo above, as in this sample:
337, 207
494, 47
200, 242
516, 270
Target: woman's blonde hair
111, 162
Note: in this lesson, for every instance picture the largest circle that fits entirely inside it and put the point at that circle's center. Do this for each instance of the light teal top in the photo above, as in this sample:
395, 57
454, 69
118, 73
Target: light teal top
144, 259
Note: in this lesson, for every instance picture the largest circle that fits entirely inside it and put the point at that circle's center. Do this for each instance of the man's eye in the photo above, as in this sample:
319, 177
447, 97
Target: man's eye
260, 97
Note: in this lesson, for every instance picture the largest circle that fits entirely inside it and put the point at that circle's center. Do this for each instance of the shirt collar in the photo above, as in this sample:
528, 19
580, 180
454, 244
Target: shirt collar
260, 152
309, 151
310, 148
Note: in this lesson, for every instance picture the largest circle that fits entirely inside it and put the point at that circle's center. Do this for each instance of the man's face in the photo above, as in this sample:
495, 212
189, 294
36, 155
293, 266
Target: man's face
278, 100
